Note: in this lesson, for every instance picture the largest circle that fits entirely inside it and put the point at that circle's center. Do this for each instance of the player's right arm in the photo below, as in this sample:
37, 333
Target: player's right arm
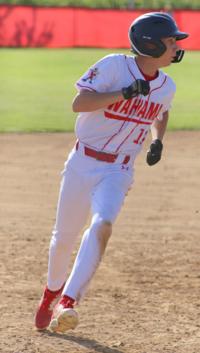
96, 88
87, 101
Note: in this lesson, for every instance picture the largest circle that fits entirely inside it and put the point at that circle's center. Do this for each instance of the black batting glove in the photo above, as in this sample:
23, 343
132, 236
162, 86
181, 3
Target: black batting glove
154, 153
136, 88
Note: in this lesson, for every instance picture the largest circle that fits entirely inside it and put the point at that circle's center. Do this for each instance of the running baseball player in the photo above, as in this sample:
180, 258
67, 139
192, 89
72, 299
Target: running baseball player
119, 99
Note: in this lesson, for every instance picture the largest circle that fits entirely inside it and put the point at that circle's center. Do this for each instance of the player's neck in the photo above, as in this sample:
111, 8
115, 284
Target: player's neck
147, 66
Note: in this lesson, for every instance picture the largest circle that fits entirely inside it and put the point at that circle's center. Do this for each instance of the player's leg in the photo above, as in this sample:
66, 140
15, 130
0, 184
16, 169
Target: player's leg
88, 258
72, 212
107, 199
91, 250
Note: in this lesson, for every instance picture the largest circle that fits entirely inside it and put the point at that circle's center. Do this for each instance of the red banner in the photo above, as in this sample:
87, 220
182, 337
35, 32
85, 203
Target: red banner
189, 21
24, 26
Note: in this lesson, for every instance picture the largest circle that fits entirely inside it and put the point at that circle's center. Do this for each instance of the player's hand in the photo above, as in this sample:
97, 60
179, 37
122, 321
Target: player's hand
154, 153
136, 88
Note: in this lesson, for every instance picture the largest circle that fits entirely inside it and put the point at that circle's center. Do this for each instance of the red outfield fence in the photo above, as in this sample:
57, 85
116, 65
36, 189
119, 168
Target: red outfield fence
24, 26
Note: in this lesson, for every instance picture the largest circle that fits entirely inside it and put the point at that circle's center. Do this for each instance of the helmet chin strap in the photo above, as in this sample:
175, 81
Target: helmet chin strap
179, 56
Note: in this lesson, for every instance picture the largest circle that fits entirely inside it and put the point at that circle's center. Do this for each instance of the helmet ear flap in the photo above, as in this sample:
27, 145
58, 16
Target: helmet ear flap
145, 46
154, 48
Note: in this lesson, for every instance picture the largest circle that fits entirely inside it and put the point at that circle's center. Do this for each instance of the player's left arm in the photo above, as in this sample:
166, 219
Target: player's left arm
158, 129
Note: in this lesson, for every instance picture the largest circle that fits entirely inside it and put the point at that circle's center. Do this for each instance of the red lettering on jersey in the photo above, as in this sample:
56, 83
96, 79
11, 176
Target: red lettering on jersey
143, 110
126, 106
136, 107
153, 111
137, 102
115, 106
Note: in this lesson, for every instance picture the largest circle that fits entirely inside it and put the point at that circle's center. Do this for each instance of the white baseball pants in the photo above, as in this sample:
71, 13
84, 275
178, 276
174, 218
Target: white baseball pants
87, 185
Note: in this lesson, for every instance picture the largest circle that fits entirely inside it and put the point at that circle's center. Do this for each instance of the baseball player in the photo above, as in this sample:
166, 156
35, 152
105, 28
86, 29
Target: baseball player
119, 99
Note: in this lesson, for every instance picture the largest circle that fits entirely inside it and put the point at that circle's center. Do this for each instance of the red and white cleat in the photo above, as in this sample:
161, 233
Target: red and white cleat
45, 308
64, 316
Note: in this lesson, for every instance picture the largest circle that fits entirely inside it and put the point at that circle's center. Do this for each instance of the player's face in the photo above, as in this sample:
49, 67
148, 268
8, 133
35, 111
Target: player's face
171, 49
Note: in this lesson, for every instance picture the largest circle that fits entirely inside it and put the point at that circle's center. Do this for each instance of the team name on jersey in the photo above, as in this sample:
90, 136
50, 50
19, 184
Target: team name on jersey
134, 109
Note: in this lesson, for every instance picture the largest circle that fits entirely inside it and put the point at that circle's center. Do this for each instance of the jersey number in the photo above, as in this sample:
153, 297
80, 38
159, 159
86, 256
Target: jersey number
141, 137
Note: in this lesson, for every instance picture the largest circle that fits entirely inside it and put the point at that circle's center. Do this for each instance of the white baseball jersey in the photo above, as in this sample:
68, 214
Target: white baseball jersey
121, 127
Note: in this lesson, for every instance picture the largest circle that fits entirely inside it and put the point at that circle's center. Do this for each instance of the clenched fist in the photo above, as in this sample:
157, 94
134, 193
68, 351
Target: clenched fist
154, 153
136, 88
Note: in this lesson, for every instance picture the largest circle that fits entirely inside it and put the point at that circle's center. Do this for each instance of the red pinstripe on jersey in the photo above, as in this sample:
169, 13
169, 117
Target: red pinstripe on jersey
165, 79
110, 139
129, 68
86, 87
117, 149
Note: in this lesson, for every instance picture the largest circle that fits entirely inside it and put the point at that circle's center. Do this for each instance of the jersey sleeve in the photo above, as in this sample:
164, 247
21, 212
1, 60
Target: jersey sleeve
100, 77
168, 99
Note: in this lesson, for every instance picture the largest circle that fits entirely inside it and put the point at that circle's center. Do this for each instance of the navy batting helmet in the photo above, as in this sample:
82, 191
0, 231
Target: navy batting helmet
147, 31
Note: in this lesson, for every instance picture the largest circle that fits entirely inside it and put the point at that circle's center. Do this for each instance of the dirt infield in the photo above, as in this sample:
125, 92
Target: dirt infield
145, 297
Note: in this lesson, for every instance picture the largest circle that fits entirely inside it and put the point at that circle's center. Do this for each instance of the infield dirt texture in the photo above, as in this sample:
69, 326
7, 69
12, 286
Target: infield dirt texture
145, 297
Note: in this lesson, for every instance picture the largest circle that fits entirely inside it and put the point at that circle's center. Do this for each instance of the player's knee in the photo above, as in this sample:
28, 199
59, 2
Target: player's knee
60, 239
103, 231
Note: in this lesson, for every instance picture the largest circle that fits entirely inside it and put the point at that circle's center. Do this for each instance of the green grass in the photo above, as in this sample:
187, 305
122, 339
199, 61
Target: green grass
186, 105
37, 87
